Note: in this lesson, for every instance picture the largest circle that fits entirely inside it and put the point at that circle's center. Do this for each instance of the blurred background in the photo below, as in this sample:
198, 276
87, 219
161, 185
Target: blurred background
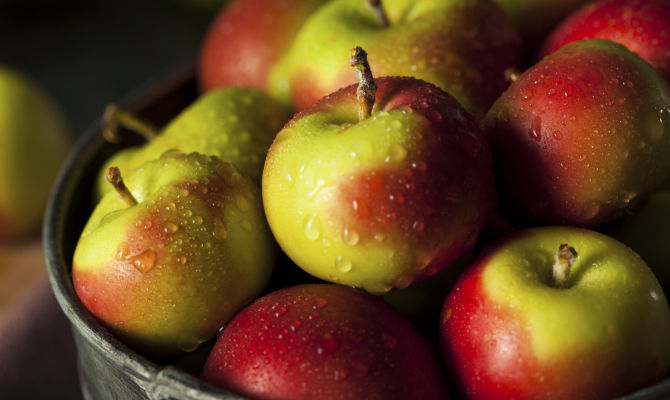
85, 54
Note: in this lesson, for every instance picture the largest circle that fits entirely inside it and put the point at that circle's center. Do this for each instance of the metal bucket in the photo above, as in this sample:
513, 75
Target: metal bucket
107, 368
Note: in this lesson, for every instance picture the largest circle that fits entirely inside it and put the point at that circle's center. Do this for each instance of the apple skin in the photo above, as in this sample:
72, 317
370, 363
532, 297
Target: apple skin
382, 202
580, 135
34, 141
324, 342
450, 43
165, 274
506, 332
247, 40
236, 125
642, 26
646, 232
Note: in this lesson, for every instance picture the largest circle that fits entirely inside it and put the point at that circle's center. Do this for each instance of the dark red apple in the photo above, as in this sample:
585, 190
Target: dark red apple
324, 342
580, 135
641, 25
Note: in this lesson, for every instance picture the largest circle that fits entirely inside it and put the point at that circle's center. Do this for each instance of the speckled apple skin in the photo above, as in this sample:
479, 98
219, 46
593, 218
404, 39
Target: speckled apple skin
450, 43
324, 342
643, 26
385, 201
506, 332
580, 135
165, 274
234, 124
247, 40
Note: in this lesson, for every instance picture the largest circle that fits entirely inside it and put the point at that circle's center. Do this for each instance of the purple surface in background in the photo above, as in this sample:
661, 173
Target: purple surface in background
37, 353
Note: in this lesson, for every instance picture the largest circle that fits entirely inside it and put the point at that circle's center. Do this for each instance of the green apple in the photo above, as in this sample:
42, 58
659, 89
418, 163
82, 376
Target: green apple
382, 201
450, 43
557, 312
183, 248
34, 141
236, 125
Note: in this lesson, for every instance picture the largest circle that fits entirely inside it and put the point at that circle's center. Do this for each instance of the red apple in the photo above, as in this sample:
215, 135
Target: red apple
247, 40
382, 201
581, 135
535, 318
643, 26
323, 342
453, 44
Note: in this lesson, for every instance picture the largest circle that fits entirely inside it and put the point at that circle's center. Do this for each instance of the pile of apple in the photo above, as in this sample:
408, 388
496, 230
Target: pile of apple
416, 150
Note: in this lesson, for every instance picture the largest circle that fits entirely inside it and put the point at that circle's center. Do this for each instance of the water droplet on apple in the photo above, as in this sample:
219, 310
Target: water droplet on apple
170, 207
535, 131
557, 135
170, 227
317, 187
389, 340
328, 344
312, 228
197, 220
143, 261
319, 303
246, 225
351, 236
343, 264
242, 203
397, 153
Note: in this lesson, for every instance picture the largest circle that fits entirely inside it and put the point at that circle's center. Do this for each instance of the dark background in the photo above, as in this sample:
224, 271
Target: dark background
85, 54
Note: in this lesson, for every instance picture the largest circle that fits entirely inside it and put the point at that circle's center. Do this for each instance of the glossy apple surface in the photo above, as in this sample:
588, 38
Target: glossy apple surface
450, 43
167, 272
580, 135
507, 331
323, 342
248, 39
385, 201
643, 26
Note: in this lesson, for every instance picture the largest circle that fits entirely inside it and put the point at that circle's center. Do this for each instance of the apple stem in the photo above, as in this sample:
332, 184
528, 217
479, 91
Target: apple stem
512, 74
367, 87
113, 116
376, 7
565, 257
114, 178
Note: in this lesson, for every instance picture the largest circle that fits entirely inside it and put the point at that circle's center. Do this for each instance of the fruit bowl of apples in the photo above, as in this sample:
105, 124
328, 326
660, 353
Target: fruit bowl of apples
386, 209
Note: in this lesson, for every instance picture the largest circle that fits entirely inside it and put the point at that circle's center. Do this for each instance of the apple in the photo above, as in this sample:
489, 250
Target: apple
450, 43
175, 254
556, 312
247, 41
34, 141
645, 231
323, 342
382, 201
237, 125
642, 26
580, 135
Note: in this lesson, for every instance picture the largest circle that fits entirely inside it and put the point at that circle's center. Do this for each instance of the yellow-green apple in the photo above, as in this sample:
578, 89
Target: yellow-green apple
236, 125
33, 142
324, 342
642, 26
580, 135
452, 44
171, 257
645, 230
556, 312
382, 201
248, 40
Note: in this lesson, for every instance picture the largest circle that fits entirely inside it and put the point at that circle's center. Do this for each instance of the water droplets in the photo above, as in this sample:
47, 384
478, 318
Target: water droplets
328, 344
170, 228
312, 228
343, 264
535, 131
351, 236
397, 153
143, 261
